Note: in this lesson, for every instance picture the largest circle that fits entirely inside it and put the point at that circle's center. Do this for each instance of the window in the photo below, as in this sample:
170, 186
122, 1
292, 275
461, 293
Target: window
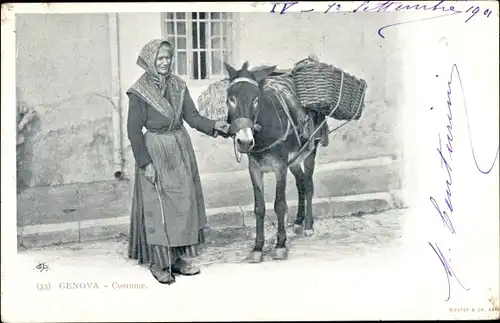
203, 42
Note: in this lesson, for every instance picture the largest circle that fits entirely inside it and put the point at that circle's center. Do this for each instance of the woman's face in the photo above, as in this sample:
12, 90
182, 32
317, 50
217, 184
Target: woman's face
163, 60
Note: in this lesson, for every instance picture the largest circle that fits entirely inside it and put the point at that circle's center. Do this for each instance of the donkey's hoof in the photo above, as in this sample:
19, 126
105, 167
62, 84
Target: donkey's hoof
280, 253
309, 233
297, 228
256, 257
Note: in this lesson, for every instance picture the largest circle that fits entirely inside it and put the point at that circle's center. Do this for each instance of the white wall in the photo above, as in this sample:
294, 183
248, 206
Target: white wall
350, 42
63, 73
135, 30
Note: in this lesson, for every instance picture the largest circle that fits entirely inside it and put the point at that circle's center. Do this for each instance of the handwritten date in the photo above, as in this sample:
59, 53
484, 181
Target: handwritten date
442, 6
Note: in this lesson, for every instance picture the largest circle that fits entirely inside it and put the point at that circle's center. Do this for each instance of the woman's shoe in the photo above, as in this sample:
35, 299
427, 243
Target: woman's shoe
185, 268
162, 276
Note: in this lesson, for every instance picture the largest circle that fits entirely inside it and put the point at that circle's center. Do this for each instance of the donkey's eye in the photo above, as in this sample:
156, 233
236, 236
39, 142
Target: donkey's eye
256, 102
232, 101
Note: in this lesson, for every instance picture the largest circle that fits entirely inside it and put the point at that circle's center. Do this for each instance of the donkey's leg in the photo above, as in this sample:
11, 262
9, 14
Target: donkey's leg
256, 176
300, 183
281, 208
309, 164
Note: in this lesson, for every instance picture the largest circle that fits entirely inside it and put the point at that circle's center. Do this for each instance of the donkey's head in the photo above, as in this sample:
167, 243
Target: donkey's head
243, 101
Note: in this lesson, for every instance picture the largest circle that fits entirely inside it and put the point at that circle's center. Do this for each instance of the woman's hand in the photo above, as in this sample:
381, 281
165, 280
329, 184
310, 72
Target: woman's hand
150, 173
221, 127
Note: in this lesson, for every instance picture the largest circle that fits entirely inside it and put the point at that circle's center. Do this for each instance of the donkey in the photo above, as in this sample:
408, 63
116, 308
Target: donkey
260, 124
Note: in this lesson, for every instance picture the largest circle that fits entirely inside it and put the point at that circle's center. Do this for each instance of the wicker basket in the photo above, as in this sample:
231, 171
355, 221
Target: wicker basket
320, 86
212, 102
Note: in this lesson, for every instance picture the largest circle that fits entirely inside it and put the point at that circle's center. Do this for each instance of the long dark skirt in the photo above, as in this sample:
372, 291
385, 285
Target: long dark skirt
179, 191
145, 253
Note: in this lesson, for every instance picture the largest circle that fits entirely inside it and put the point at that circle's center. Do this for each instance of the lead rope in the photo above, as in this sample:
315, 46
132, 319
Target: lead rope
311, 137
354, 115
238, 159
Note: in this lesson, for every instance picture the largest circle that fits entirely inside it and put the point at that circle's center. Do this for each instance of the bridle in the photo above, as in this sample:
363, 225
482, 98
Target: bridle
240, 123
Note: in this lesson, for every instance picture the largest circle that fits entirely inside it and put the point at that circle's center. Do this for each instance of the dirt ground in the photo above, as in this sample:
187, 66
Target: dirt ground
335, 238
353, 268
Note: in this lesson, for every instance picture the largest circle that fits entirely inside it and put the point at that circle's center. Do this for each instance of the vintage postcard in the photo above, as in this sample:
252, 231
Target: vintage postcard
239, 161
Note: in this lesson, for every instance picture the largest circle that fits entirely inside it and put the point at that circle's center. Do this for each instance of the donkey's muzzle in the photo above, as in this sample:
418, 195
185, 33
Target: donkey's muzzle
243, 134
239, 124
246, 144
244, 140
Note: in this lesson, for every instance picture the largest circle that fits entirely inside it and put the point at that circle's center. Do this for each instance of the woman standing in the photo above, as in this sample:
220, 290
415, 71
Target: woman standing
168, 211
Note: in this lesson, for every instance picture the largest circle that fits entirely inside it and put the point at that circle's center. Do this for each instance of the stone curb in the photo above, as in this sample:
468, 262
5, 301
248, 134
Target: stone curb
98, 200
36, 236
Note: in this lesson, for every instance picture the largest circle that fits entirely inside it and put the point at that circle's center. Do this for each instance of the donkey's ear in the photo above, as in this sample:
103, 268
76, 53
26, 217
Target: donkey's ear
263, 72
230, 70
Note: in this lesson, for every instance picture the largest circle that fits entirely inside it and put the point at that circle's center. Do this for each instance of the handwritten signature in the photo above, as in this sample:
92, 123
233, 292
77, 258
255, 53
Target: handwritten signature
445, 160
447, 268
397, 6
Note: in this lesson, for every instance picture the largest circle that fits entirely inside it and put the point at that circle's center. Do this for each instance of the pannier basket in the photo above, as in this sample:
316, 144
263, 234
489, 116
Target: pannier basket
212, 101
322, 87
